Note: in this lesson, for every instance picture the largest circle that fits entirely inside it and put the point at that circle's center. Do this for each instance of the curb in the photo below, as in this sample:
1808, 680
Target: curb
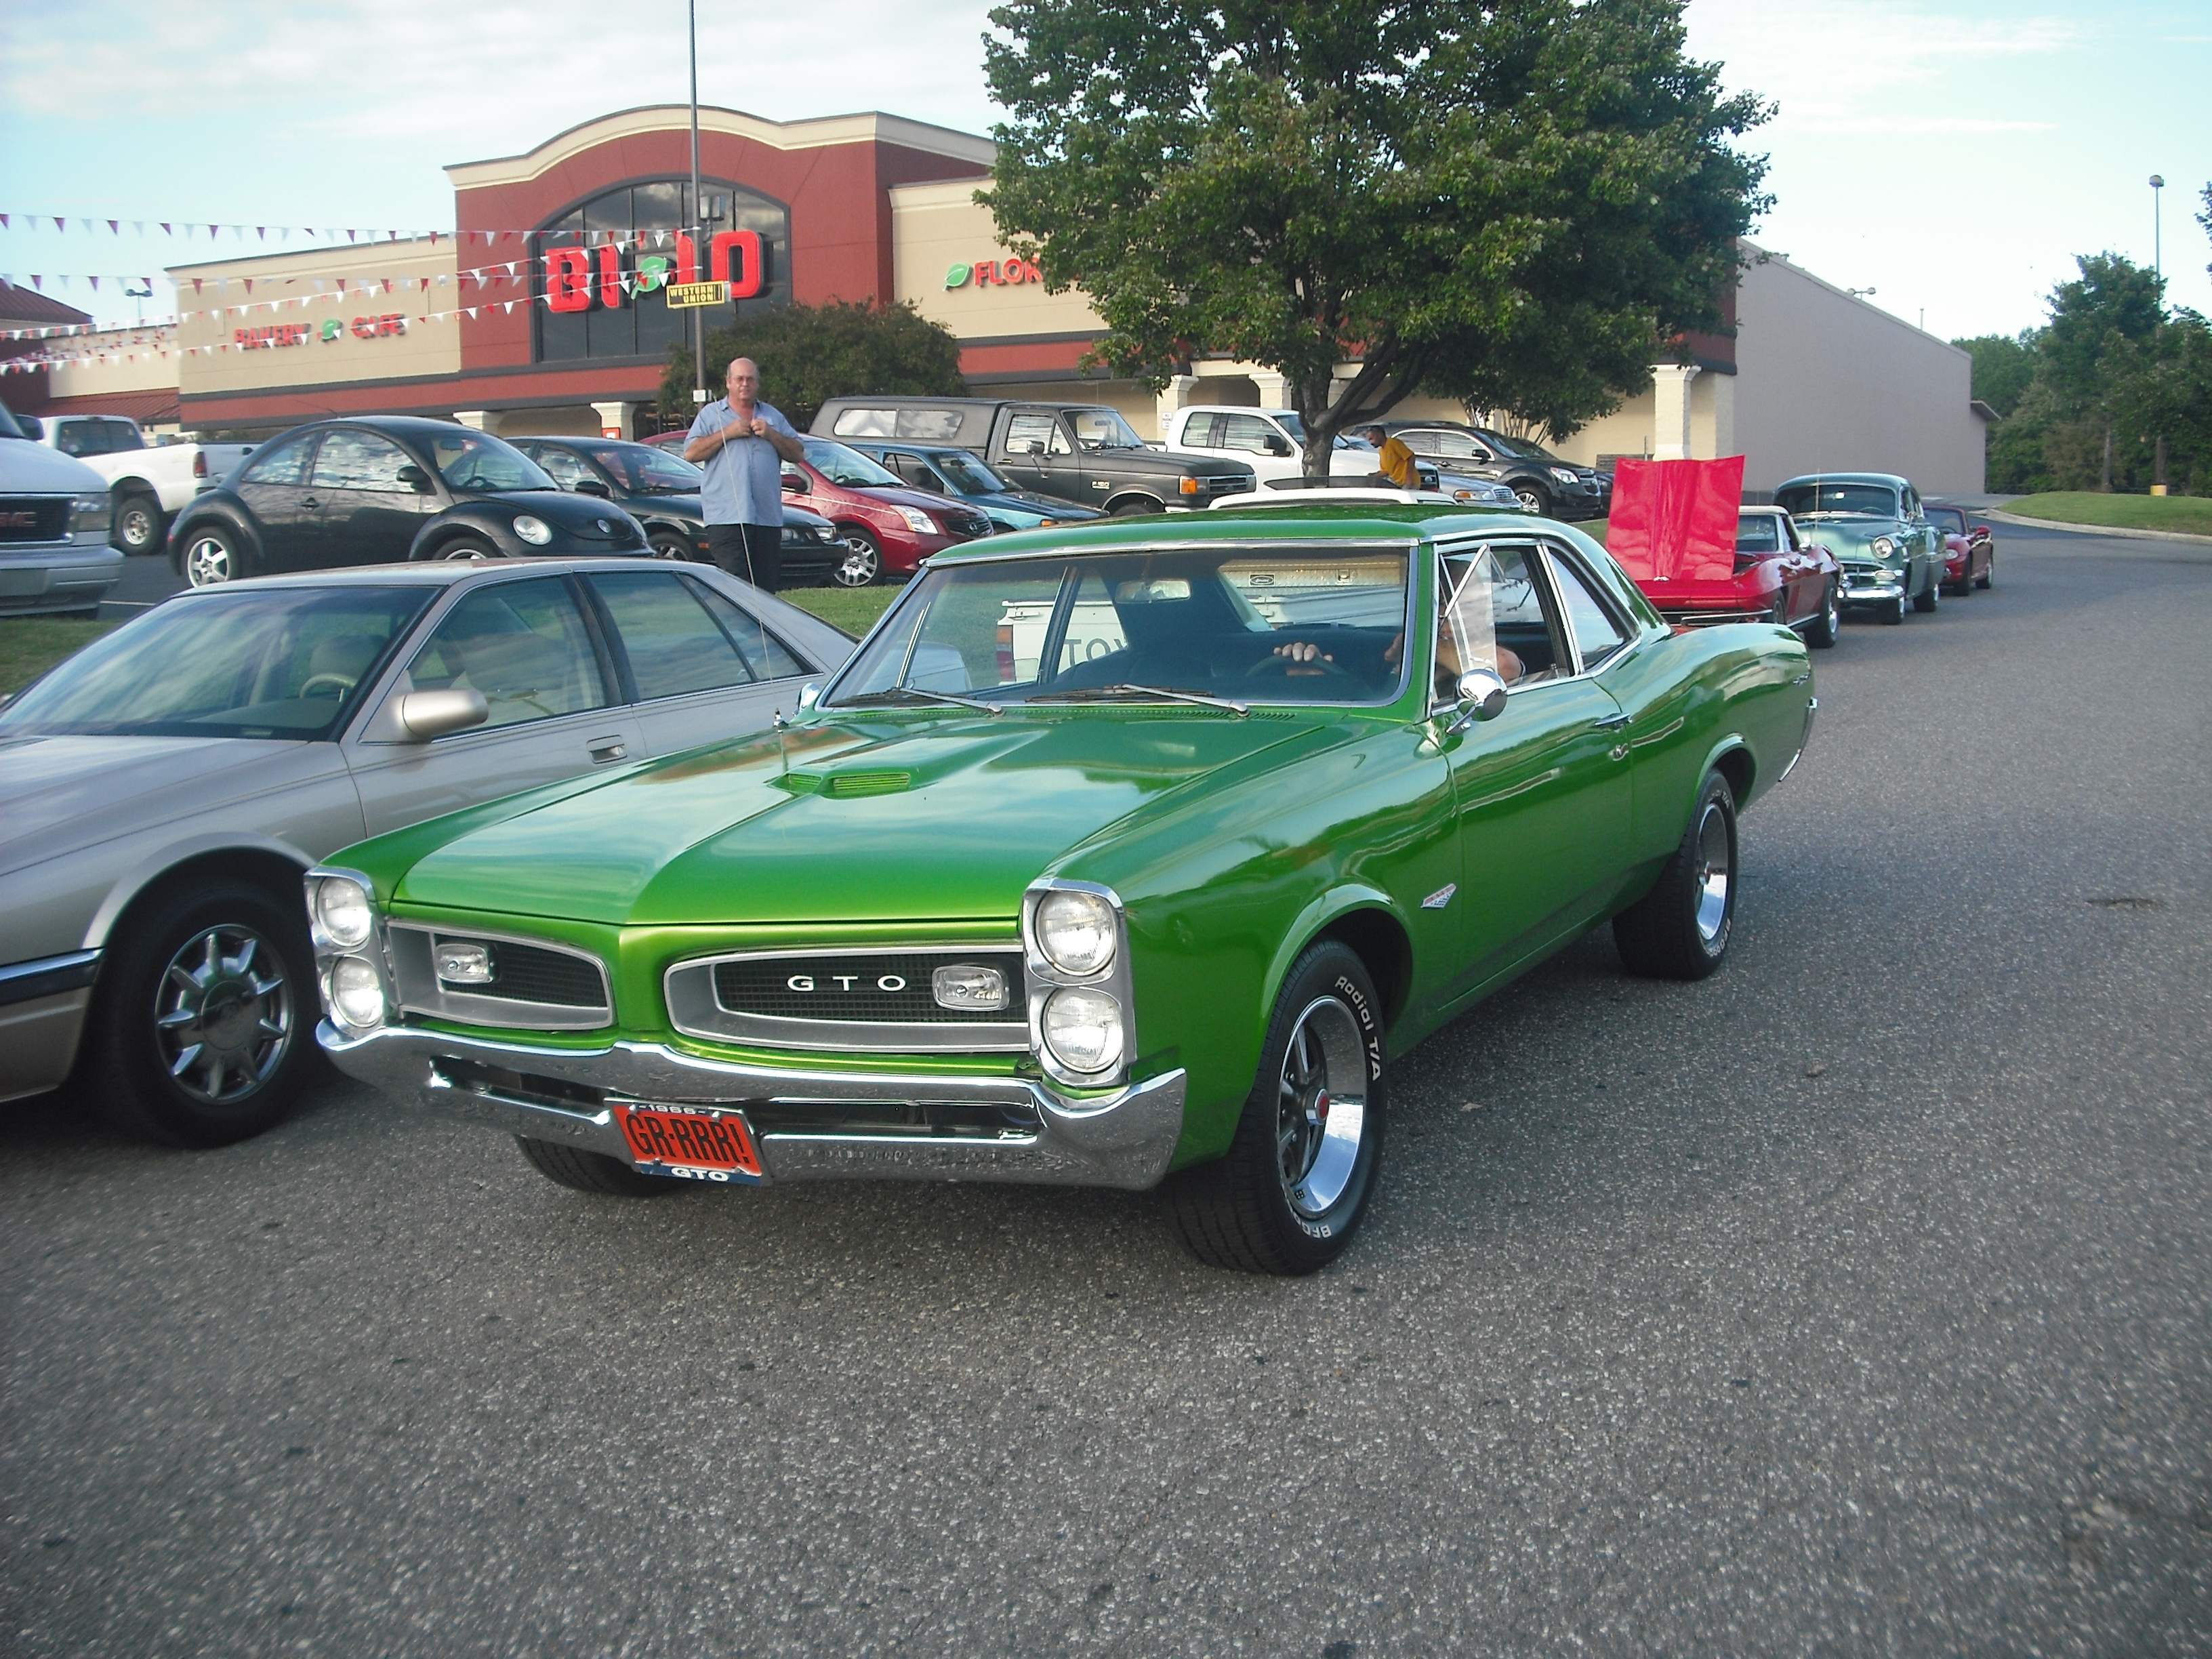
2181, 535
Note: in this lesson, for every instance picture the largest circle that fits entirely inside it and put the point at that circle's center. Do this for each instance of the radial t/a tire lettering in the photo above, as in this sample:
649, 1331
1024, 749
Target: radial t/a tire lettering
593, 1172
1681, 928
1294, 1185
203, 1023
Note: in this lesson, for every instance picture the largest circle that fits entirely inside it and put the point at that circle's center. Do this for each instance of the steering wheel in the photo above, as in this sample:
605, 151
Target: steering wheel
1272, 664
340, 683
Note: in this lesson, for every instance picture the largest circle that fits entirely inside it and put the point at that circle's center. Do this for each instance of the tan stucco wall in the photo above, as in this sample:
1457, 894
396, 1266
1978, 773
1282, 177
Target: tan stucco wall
137, 360
222, 305
936, 227
1828, 381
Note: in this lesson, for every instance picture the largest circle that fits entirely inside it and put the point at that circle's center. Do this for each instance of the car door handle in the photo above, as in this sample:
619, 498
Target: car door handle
309, 500
1610, 723
606, 750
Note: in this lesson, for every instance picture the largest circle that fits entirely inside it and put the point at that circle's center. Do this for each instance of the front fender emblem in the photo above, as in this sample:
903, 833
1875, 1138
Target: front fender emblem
1441, 897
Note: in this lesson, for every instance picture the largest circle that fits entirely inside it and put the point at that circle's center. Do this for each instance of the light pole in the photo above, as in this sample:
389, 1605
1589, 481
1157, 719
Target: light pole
699, 229
2157, 259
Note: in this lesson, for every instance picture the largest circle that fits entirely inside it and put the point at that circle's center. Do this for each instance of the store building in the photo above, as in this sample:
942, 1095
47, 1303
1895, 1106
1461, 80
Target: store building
546, 311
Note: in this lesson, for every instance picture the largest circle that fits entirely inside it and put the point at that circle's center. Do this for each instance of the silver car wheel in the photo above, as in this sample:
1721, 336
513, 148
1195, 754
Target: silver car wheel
1712, 875
221, 1026
862, 563
210, 562
138, 526
1320, 1107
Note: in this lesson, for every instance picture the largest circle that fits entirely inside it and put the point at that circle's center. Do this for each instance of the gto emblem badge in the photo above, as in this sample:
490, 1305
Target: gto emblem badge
843, 981
1441, 897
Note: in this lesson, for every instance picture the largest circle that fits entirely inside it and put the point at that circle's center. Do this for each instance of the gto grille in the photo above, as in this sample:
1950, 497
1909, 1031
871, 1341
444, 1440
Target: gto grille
28, 520
851, 987
524, 973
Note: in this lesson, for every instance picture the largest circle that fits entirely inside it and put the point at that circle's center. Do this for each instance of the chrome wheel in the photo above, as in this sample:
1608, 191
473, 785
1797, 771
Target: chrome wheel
863, 561
209, 560
1321, 1110
223, 1015
138, 525
1712, 873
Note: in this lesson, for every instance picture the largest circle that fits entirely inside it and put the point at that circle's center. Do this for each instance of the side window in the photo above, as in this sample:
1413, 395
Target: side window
284, 461
1445, 444
1493, 617
766, 657
122, 435
359, 461
674, 647
1036, 434
80, 438
1248, 433
565, 469
1202, 432
1596, 633
1757, 532
523, 645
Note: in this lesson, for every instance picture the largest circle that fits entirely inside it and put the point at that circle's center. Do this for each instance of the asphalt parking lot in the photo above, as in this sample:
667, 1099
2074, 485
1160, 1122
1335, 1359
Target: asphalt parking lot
1854, 1301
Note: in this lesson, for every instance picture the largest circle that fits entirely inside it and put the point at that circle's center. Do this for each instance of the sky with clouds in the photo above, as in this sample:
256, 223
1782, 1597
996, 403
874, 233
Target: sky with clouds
1953, 155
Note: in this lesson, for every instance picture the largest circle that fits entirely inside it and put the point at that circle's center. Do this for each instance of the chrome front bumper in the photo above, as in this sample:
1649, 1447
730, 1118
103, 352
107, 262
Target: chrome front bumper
1873, 592
1124, 1139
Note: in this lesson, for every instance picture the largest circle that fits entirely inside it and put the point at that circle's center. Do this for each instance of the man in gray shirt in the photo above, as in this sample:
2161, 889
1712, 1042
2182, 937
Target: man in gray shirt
739, 442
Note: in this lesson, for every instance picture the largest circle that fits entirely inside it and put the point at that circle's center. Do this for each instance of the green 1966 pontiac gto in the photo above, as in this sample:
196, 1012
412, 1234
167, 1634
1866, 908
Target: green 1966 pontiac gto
1119, 853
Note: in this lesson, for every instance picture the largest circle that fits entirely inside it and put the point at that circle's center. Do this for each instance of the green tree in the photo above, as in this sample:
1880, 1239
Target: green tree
1514, 205
2004, 365
811, 353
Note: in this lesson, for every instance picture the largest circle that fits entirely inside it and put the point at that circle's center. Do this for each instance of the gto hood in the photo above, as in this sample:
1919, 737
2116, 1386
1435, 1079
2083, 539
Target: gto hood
946, 819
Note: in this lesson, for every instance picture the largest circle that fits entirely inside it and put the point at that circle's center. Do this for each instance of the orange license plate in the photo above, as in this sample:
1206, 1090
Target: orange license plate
695, 1143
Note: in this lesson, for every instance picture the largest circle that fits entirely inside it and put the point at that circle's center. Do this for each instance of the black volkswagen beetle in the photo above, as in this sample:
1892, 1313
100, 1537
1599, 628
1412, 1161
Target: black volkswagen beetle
378, 489
661, 490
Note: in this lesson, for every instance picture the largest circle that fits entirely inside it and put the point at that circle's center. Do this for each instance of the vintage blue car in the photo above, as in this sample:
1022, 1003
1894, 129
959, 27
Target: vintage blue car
1875, 526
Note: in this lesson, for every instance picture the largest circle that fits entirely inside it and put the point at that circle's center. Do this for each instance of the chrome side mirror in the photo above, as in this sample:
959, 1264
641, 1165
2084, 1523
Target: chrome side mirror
809, 695
426, 715
1481, 697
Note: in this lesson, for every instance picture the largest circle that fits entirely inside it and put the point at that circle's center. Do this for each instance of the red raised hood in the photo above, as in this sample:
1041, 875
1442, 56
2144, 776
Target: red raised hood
1674, 521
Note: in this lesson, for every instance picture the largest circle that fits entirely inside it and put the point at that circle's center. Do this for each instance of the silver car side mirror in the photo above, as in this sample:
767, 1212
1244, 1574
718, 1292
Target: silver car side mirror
426, 715
809, 695
1481, 697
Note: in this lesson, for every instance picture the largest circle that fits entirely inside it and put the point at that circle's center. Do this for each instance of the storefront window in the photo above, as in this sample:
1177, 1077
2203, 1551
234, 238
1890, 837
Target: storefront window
599, 267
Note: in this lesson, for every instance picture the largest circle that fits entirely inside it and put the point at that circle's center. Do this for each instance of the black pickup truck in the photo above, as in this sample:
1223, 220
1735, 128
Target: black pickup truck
1080, 452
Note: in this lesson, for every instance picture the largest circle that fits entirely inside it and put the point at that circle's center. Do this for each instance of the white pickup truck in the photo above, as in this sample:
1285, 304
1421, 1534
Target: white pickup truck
148, 484
1271, 442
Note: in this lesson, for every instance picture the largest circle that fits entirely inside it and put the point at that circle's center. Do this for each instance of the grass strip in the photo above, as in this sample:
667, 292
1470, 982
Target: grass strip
30, 645
2190, 514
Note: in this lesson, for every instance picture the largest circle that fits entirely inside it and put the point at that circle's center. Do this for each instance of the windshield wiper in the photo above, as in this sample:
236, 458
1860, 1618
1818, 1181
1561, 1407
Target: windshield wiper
1126, 691
915, 694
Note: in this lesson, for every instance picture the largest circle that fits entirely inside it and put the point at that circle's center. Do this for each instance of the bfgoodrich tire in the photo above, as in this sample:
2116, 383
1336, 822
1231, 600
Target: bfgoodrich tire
203, 1026
594, 1172
1679, 929
1294, 1186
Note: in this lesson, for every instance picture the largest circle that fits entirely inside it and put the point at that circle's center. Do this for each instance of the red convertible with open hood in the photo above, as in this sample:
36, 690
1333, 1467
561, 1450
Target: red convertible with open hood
1678, 531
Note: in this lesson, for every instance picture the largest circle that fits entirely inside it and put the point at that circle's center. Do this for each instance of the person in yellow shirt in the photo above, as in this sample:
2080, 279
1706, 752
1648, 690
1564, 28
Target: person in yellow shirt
1393, 460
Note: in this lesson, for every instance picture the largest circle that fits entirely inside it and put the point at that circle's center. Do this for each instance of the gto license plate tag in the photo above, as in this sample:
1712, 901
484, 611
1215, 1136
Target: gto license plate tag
691, 1143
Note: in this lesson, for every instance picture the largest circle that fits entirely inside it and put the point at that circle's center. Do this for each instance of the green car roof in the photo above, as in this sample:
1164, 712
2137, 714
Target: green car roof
1352, 522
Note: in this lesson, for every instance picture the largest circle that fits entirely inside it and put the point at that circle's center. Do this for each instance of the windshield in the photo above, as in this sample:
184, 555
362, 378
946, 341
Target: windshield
477, 460
1101, 428
1949, 519
644, 470
285, 662
8, 428
965, 473
1289, 421
1521, 447
1758, 533
1237, 624
1863, 501
848, 467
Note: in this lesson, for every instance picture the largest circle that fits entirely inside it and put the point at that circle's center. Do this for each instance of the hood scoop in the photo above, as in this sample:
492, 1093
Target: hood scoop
846, 786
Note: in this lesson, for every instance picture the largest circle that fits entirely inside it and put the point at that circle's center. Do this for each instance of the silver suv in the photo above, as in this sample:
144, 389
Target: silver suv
54, 520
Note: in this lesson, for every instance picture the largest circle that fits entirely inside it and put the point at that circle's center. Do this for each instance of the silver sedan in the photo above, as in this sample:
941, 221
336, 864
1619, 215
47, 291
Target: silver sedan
165, 786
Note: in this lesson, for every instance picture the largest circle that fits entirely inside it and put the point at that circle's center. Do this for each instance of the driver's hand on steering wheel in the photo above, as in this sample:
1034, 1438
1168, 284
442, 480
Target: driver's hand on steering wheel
1298, 652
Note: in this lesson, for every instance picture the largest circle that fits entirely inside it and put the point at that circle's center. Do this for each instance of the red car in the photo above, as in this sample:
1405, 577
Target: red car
889, 527
1969, 553
1776, 575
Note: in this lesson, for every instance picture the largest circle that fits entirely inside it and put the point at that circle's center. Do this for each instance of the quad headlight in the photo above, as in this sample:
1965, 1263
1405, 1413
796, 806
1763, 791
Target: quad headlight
343, 912
1083, 1028
354, 992
534, 529
1075, 931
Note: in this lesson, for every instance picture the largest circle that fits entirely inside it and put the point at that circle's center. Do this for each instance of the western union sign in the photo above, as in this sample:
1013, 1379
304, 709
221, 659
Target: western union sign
681, 294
